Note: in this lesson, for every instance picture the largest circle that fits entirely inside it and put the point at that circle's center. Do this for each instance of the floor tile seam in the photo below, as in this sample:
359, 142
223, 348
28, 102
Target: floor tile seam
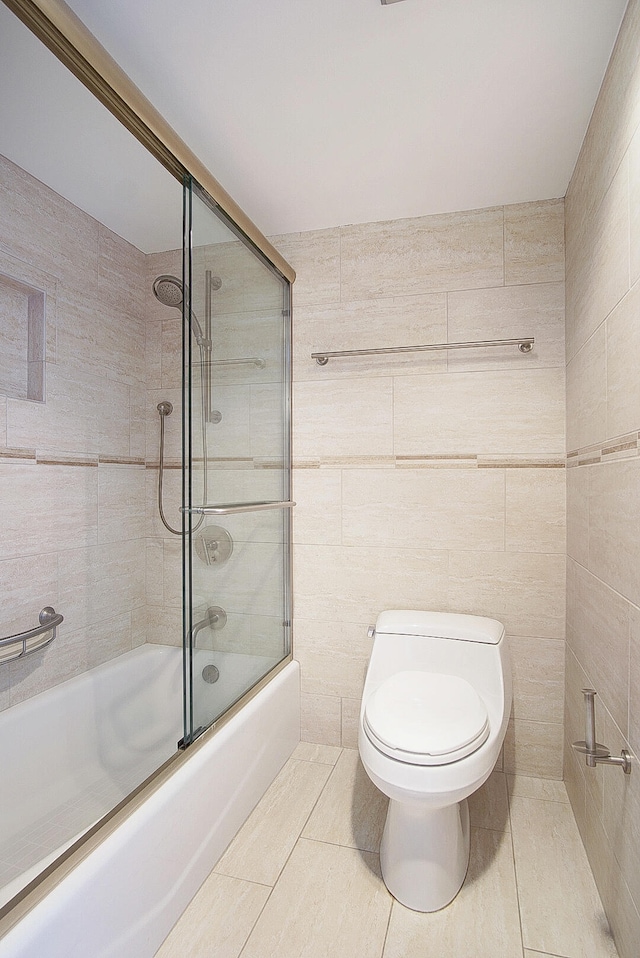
259, 915
386, 931
326, 841
515, 873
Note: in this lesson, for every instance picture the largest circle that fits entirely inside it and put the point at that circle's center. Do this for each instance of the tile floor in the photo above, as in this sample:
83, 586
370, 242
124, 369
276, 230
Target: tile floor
302, 877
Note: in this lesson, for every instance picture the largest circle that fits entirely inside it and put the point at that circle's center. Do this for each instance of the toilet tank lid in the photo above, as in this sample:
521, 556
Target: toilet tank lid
445, 625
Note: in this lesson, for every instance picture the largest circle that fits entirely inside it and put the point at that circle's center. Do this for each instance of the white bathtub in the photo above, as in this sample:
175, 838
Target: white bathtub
100, 734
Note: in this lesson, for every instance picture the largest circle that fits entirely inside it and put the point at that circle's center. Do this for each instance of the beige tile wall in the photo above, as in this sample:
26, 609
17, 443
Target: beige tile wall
431, 480
603, 419
72, 468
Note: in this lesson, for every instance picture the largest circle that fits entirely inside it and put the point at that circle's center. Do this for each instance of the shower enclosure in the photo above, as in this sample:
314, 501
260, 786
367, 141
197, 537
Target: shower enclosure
111, 327
236, 475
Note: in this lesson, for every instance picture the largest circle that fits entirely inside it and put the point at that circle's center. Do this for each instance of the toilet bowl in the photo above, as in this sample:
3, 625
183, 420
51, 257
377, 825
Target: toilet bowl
434, 713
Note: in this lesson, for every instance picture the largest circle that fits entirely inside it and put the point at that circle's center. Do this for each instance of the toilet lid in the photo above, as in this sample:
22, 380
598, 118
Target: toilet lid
427, 714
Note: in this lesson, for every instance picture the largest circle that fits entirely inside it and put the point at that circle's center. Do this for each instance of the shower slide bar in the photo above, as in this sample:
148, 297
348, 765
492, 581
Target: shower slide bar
525, 345
233, 508
49, 619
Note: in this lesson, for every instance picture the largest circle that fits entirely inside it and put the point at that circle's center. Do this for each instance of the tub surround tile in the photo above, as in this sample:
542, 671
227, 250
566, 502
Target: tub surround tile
481, 921
265, 842
351, 811
545, 837
218, 920
329, 900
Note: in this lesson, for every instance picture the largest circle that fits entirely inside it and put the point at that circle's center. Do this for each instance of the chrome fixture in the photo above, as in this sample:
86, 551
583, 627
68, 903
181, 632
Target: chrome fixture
216, 619
210, 674
20, 643
595, 753
169, 291
525, 345
251, 361
213, 545
233, 508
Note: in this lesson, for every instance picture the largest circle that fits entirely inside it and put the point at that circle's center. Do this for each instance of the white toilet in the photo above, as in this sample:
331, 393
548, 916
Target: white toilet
434, 713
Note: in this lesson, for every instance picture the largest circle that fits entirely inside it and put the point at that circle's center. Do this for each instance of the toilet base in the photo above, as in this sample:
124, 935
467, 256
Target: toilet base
424, 853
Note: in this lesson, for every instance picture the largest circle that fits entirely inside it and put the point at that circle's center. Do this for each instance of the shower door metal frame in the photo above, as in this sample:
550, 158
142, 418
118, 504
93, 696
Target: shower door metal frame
189, 510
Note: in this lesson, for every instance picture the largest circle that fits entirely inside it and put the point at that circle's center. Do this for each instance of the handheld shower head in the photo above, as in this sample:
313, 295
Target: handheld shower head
168, 290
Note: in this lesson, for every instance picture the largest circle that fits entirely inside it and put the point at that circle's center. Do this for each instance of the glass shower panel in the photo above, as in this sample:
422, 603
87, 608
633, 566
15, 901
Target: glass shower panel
237, 384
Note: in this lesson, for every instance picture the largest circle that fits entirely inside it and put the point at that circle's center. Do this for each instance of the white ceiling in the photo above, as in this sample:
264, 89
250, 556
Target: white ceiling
316, 113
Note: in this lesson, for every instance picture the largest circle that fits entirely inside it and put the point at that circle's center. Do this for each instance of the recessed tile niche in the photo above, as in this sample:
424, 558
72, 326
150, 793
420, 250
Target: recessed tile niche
22, 340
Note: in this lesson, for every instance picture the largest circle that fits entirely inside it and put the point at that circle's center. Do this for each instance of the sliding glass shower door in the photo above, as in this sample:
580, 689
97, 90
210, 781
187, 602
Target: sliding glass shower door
236, 488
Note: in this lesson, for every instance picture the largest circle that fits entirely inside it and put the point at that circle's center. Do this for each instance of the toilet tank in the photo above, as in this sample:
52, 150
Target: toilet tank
445, 625
470, 646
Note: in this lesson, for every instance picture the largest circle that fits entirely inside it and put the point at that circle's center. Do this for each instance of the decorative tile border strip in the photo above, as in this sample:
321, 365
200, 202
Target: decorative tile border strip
622, 447
458, 461
45, 458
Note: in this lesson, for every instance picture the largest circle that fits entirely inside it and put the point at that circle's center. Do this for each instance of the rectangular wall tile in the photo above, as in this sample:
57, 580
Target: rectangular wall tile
534, 242
535, 510
320, 718
315, 256
503, 413
614, 526
415, 507
507, 312
587, 393
336, 418
449, 251
332, 661
533, 748
523, 591
599, 636
623, 388
538, 679
360, 582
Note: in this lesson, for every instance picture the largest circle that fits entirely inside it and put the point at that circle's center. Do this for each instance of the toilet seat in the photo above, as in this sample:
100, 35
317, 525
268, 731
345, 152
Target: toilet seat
426, 718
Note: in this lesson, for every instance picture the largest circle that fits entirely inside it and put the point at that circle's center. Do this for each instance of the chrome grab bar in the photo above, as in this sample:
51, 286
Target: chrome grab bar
232, 508
525, 345
49, 619
250, 361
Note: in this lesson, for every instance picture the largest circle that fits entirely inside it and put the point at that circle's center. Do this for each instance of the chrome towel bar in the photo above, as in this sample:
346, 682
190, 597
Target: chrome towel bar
525, 345
49, 620
232, 508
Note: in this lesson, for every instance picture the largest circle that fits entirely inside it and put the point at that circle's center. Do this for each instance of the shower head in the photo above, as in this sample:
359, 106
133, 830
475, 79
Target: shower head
168, 290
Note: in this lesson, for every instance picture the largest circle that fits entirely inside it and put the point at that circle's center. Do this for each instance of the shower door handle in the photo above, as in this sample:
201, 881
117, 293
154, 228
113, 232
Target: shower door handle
232, 508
